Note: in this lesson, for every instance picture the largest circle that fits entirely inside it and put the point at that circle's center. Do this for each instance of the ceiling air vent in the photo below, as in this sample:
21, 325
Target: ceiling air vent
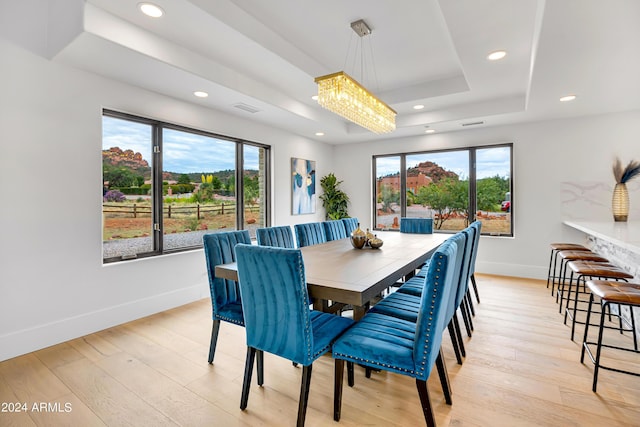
246, 107
472, 123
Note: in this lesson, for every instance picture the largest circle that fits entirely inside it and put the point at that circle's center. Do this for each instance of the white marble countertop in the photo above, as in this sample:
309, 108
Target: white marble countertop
623, 234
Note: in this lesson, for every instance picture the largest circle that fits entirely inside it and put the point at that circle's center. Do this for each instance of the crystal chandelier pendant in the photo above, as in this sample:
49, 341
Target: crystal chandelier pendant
343, 95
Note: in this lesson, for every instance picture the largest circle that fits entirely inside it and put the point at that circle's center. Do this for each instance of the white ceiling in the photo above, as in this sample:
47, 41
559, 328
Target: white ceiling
266, 54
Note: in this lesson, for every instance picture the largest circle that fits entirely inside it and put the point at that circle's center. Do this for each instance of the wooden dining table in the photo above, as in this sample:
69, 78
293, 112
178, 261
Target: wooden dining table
336, 272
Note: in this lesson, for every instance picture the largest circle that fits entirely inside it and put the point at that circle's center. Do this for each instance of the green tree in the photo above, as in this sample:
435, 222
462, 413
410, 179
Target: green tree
120, 177
205, 193
447, 197
251, 189
230, 185
215, 182
184, 179
491, 192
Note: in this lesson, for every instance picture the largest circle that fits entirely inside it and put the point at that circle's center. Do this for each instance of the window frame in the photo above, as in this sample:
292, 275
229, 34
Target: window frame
472, 183
157, 127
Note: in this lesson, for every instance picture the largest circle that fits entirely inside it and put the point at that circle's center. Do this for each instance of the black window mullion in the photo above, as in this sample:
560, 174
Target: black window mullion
403, 185
473, 196
158, 199
239, 186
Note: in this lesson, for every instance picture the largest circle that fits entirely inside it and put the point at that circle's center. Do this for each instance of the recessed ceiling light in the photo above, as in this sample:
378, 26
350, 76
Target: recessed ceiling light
498, 54
319, 133
314, 97
429, 131
567, 98
418, 107
151, 10
200, 94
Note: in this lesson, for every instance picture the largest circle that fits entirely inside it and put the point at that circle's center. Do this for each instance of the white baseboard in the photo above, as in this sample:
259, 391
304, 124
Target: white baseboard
27, 340
513, 270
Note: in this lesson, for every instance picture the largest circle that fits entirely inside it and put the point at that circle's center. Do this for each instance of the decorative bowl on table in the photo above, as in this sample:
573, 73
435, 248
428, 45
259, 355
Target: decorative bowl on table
375, 243
358, 238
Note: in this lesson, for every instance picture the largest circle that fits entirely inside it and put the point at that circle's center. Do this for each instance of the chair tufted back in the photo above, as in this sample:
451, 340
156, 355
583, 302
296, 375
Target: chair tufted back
334, 230
416, 225
477, 225
309, 234
350, 224
280, 237
436, 297
219, 249
275, 301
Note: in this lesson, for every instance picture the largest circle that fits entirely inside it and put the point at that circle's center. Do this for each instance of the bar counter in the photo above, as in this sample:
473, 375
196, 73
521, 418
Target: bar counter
624, 235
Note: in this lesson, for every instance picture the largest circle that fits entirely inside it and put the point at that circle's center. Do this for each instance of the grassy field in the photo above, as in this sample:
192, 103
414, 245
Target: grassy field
122, 225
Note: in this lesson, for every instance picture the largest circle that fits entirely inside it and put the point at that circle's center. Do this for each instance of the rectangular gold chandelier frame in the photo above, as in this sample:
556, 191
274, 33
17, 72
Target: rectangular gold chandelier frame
343, 95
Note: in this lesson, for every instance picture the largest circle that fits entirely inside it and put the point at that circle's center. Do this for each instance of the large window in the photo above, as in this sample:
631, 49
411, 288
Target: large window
454, 187
164, 186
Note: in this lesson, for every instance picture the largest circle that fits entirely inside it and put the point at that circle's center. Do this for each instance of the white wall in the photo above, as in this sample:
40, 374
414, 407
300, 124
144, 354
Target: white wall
547, 155
53, 285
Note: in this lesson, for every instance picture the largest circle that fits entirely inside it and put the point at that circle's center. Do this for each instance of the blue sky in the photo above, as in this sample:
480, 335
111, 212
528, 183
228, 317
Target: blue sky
489, 162
182, 152
186, 152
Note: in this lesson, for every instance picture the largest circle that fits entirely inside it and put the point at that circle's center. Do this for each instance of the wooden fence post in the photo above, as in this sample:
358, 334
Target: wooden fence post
135, 213
222, 209
169, 212
198, 211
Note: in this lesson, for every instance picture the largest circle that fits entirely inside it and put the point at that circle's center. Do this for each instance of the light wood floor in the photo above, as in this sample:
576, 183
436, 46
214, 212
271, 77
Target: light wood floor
521, 370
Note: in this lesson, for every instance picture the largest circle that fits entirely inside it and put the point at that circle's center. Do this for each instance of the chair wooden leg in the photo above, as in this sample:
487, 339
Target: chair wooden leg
214, 339
467, 295
475, 287
350, 376
337, 388
465, 307
456, 327
248, 370
444, 378
465, 319
426, 403
260, 358
454, 342
304, 394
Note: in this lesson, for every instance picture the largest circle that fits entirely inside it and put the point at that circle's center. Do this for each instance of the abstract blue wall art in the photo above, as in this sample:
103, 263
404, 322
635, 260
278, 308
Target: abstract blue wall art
303, 186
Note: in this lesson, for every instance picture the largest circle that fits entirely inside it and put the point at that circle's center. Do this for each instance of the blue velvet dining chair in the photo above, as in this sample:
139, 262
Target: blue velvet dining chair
405, 303
463, 300
472, 263
280, 236
399, 346
350, 224
277, 315
416, 225
334, 230
225, 294
311, 233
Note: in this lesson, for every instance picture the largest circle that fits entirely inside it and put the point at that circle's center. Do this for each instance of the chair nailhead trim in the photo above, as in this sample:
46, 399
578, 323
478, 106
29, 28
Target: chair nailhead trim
373, 362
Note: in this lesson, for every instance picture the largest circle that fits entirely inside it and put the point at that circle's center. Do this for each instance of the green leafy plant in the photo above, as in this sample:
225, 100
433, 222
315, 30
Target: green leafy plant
334, 200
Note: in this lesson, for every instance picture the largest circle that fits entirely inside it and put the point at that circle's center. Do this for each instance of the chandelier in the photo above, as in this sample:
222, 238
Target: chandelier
343, 95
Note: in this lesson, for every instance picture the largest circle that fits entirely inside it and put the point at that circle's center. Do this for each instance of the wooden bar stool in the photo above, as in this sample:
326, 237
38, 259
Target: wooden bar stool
565, 258
622, 294
555, 248
588, 270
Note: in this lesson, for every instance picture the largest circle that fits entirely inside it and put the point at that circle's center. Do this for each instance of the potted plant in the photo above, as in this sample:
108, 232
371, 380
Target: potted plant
334, 200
